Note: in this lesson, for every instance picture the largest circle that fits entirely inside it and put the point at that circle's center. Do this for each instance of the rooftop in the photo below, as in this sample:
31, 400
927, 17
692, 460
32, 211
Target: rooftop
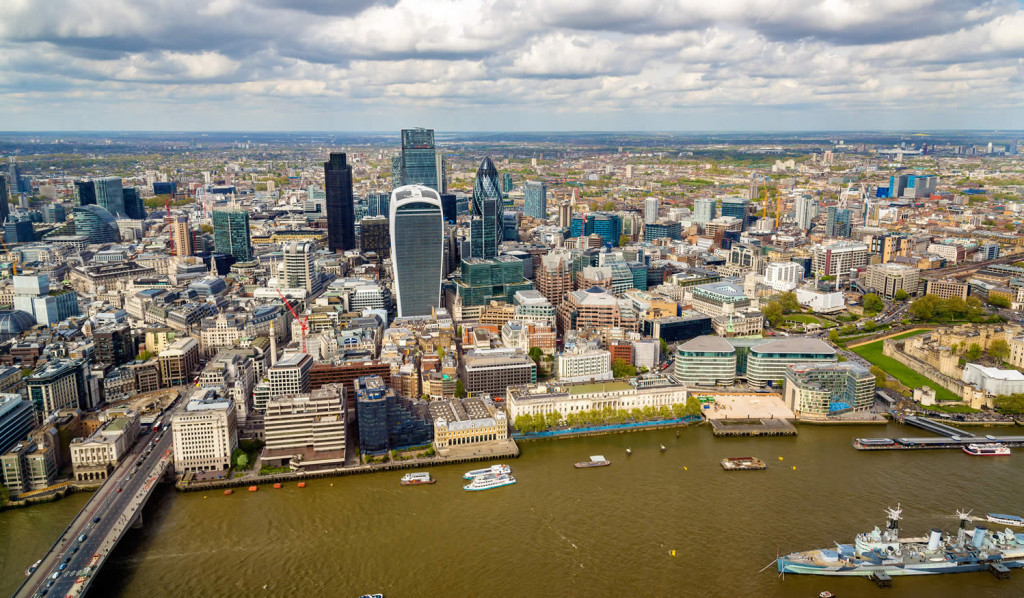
795, 344
579, 389
708, 344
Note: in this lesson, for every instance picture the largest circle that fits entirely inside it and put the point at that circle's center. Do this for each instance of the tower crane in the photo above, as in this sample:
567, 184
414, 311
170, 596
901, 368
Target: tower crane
303, 322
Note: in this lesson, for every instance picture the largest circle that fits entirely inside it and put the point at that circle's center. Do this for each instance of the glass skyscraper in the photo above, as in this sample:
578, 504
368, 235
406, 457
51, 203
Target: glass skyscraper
134, 208
486, 227
231, 233
737, 207
85, 192
110, 195
5, 208
838, 223
535, 204
96, 223
704, 209
417, 249
420, 162
341, 218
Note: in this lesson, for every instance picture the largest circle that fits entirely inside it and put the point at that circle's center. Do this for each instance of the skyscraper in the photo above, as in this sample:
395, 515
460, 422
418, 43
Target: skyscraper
506, 183
341, 217
377, 204
838, 224
704, 209
85, 192
486, 227
110, 195
417, 249
133, 205
374, 237
181, 233
97, 224
535, 204
420, 162
650, 210
806, 207
299, 272
231, 233
737, 207
5, 208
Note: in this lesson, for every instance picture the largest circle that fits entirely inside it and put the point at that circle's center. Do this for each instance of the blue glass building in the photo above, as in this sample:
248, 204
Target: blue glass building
96, 223
838, 223
535, 203
387, 421
486, 228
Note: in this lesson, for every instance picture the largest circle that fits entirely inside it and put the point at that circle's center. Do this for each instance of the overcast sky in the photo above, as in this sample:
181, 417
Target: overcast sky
478, 65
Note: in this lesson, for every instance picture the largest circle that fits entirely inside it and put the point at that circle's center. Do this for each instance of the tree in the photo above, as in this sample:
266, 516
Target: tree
535, 354
870, 325
973, 352
999, 349
692, 406
880, 375
524, 423
242, 461
901, 295
999, 301
206, 228
833, 335
553, 418
955, 308
622, 369
789, 302
872, 302
460, 389
773, 312
925, 307
609, 206
664, 346
440, 353
145, 356
827, 278
1010, 403
623, 240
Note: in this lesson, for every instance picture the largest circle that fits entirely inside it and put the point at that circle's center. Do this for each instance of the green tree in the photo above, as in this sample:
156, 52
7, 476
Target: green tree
553, 418
664, 346
460, 389
623, 240
925, 307
833, 335
692, 406
870, 325
901, 295
999, 349
999, 301
206, 228
1010, 403
622, 369
536, 354
773, 312
440, 353
880, 376
242, 461
524, 423
788, 302
872, 302
145, 356
827, 278
609, 206
973, 352
955, 308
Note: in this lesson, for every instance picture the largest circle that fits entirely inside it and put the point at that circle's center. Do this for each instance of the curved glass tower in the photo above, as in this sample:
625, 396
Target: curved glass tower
485, 232
96, 223
417, 249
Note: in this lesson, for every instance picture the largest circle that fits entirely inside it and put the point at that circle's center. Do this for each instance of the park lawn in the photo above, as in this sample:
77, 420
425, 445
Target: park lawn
873, 353
809, 319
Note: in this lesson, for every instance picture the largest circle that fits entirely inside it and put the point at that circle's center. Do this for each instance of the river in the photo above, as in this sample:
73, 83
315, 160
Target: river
559, 531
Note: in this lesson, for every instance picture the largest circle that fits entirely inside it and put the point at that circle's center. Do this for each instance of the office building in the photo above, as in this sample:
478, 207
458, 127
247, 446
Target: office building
944, 289
650, 210
375, 236
306, 432
483, 281
59, 384
94, 457
838, 223
110, 195
806, 208
231, 234
704, 209
5, 207
205, 433
17, 419
18, 231
838, 259
85, 193
113, 344
706, 361
178, 361
510, 226
583, 365
387, 421
96, 224
182, 236
912, 186
486, 227
299, 272
134, 207
819, 390
718, 298
544, 398
535, 203
595, 308
888, 279
290, 375
890, 246
783, 276
340, 205
491, 371
739, 208
417, 249
766, 363
420, 163
555, 277
663, 230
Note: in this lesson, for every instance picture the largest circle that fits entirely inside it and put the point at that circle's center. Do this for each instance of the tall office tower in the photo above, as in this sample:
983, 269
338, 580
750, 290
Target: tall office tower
299, 272
377, 204
85, 193
134, 208
374, 236
97, 224
806, 208
231, 233
486, 227
535, 203
181, 233
341, 216
417, 249
704, 209
449, 207
564, 215
5, 208
838, 224
110, 195
737, 207
506, 183
420, 162
650, 210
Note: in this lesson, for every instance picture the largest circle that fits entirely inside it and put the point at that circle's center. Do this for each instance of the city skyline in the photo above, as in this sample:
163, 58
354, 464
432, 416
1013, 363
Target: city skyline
644, 66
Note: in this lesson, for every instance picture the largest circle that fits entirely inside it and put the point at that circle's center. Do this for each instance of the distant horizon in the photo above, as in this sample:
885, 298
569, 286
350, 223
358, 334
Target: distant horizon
396, 132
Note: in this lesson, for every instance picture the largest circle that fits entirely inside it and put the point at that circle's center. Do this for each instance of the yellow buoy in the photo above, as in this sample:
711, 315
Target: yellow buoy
332, 485
673, 553
794, 468
780, 458
204, 497
684, 468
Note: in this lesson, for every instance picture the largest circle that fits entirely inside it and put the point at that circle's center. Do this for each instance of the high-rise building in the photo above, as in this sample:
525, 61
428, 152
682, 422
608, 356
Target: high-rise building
113, 344
417, 249
650, 210
535, 202
299, 272
806, 208
231, 233
110, 195
449, 207
96, 223
205, 433
839, 223
181, 234
16, 420
290, 375
374, 236
737, 207
510, 226
420, 162
609, 227
564, 215
341, 219
837, 259
60, 384
704, 209
53, 213
506, 183
85, 193
134, 207
309, 426
486, 231
377, 204
5, 207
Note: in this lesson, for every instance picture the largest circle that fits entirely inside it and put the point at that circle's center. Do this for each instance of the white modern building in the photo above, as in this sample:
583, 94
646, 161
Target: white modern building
650, 210
783, 276
993, 380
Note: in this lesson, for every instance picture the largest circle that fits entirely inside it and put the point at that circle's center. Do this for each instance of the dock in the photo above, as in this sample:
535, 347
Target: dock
948, 438
752, 427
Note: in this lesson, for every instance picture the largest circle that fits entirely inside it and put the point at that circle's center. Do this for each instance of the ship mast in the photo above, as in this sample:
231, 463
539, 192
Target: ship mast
961, 533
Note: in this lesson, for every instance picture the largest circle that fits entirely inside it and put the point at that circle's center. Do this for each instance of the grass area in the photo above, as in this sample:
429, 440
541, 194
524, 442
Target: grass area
952, 408
579, 389
809, 319
873, 353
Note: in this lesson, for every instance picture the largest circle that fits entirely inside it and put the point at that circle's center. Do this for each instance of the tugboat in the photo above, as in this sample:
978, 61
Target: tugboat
883, 553
416, 479
987, 450
595, 461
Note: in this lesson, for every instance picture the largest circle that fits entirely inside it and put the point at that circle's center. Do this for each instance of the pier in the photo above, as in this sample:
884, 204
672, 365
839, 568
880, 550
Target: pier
948, 438
752, 427
933, 426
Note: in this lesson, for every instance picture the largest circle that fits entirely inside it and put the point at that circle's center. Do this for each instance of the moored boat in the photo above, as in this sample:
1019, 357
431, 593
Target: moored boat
991, 449
1013, 520
277, 485
415, 479
493, 469
595, 461
488, 482
303, 484
253, 488
743, 464
228, 491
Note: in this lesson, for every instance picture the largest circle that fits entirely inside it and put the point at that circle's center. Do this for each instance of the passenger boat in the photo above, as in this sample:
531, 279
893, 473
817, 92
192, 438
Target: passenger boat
595, 461
493, 469
1006, 519
743, 464
415, 479
33, 568
987, 450
488, 482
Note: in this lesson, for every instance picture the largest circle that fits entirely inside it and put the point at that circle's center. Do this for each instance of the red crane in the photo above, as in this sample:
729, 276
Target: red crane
302, 322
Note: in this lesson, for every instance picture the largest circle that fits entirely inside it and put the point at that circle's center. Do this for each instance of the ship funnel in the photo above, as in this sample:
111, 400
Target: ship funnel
979, 536
934, 539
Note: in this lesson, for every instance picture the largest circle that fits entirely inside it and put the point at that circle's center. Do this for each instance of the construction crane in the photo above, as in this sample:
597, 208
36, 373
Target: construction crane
303, 322
778, 204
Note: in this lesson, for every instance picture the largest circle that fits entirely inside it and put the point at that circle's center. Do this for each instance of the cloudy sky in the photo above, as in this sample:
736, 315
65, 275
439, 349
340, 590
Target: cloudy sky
474, 65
